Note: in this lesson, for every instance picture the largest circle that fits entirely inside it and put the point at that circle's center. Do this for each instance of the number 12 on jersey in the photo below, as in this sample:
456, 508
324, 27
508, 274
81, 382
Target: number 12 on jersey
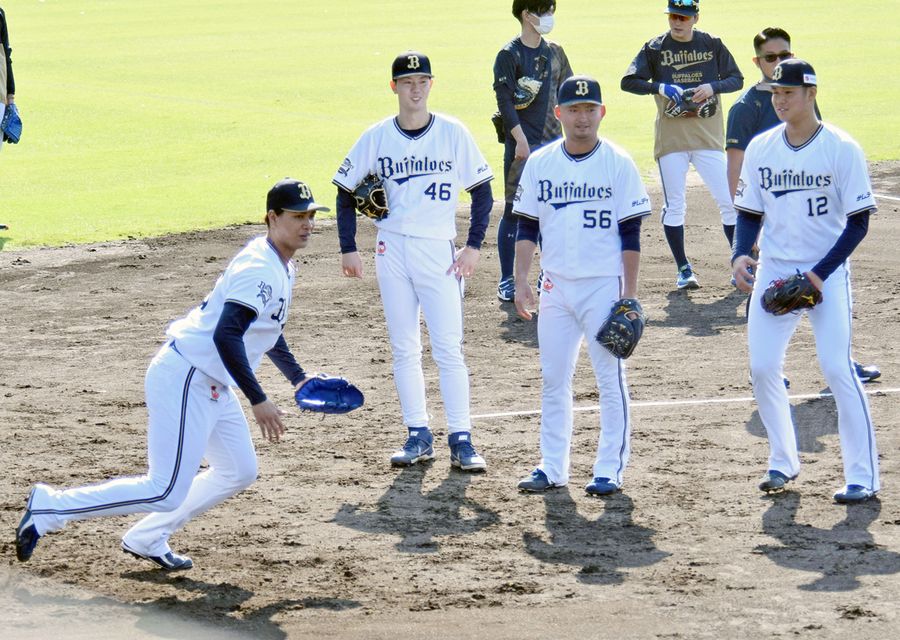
594, 219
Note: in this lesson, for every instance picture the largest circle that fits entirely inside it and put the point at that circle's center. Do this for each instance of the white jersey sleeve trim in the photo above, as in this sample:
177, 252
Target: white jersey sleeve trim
642, 214
752, 212
243, 304
342, 186
863, 210
479, 183
525, 215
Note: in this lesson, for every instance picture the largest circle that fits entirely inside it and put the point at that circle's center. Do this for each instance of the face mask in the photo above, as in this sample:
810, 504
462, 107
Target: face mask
544, 25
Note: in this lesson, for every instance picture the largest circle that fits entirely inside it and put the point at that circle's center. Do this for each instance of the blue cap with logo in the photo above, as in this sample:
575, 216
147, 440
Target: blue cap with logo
578, 89
292, 195
688, 8
793, 72
411, 63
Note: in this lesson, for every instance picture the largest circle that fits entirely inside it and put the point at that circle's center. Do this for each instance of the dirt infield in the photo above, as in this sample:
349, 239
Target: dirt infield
331, 542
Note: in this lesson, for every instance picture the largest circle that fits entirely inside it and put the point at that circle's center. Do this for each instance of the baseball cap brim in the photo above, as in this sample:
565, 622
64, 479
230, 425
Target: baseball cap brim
412, 73
580, 101
311, 206
682, 12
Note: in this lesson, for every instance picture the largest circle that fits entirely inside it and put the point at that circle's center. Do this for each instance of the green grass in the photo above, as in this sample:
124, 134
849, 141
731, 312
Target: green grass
143, 118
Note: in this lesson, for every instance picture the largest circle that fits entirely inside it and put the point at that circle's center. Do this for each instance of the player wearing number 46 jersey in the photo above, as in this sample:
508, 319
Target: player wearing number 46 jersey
585, 197
194, 412
425, 159
806, 184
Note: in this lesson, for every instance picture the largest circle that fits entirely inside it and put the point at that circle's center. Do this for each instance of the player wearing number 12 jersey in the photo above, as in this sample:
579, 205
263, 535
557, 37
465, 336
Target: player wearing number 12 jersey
806, 184
585, 197
424, 159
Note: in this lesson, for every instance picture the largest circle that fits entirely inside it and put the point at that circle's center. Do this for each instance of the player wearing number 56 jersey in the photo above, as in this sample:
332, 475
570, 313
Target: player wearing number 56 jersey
585, 197
806, 184
425, 160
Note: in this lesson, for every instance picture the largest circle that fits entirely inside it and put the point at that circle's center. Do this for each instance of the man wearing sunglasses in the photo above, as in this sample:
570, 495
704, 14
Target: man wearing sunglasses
687, 132
753, 114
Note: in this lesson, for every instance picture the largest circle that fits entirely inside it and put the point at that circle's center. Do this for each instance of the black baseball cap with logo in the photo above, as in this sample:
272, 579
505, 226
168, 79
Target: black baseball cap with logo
578, 89
411, 63
793, 72
292, 195
688, 8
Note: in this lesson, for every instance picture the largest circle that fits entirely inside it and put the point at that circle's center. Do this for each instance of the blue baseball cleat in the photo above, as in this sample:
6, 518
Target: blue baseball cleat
463, 454
536, 482
168, 562
686, 278
418, 448
853, 493
601, 487
27, 535
774, 481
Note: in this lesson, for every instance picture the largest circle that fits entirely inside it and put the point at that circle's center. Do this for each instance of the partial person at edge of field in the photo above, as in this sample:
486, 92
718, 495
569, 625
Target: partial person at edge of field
753, 114
425, 160
194, 411
686, 58
527, 73
7, 80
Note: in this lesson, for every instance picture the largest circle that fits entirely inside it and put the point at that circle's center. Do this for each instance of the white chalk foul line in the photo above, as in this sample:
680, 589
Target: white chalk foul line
675, 403
878, 195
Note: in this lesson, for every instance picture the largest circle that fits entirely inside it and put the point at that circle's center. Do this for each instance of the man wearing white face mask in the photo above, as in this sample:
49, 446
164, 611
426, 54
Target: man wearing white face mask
527, 73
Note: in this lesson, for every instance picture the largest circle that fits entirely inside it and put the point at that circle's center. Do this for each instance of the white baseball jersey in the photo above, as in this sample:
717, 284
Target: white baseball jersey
807, 193
579, 203
257, 278
422, 175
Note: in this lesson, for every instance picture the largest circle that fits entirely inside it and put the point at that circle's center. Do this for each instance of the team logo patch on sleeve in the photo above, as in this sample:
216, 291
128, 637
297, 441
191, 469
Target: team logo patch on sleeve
346, 167
265, 292
382, 248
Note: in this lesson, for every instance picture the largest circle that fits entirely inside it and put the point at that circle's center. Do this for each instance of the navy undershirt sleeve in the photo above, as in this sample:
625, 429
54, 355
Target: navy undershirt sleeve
856, 229
229, 340
346, 220
630, 234
482, 203
745, 233
528, 229
281, 355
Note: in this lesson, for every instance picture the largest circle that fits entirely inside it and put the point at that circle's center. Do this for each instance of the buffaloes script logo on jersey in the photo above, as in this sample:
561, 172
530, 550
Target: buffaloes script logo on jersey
684, 59
265, 292
406, 168
786, 181
562, 195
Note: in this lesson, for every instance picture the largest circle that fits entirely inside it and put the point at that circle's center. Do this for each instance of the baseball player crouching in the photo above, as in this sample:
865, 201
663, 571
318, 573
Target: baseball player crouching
424, 160
194, 412
584, 196
806, 184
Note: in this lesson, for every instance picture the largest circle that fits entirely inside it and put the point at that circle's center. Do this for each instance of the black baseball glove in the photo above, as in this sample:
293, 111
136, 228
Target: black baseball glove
687, 108
499, 127
791, 294
623, 328
371, 200
328, 394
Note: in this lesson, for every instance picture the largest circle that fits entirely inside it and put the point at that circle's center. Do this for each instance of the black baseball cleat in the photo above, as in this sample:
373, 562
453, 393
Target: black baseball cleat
168, 562
27, 535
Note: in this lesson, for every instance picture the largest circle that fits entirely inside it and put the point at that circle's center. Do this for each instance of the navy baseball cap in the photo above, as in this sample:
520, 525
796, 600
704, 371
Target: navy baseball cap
793, 72
292, 195
411, 63
577, 89
688, 8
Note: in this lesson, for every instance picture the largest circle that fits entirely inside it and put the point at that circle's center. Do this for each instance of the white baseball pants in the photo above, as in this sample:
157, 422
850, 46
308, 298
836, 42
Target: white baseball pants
412, 276
572, 310
711, 166
768, 337
191, 416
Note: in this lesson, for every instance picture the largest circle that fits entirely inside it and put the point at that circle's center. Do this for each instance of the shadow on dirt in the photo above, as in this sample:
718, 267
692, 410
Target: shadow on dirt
813, 419
218, 603
601, 547
418, 516
702, 318
839, 555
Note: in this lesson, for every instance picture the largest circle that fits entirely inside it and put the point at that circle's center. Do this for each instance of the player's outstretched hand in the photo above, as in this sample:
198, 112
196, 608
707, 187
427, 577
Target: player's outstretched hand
268, 417
743, 276
525, 299
465, 263
351, 265
522, 149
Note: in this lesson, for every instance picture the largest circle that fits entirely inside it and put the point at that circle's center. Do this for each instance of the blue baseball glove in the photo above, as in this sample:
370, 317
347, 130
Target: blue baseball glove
328, 394
11, 126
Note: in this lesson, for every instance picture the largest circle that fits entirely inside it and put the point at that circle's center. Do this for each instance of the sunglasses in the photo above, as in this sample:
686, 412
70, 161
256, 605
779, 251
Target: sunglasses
772, 57
682, 3
679, 18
